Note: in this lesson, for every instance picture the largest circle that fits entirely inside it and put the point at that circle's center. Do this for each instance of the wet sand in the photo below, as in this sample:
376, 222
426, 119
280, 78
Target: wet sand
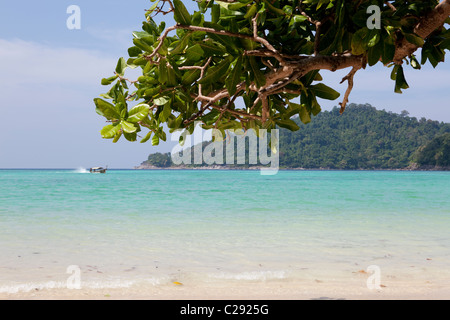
271, 290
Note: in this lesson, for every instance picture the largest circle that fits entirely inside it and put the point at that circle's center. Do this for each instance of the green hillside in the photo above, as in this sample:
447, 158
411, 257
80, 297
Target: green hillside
361, 138
435, 153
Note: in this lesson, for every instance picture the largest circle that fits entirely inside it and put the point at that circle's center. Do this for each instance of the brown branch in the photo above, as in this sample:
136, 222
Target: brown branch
265, 110
161, 40
238, 113
317, 38
279, 78
125, 79
202, 72
198, 114
318, 25
263, 41
268, 64
423, 29
255, 38
390, 5
349, 79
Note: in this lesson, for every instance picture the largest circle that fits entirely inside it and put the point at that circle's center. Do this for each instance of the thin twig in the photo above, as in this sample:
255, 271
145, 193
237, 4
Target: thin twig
349, 79
390, 5
202, 72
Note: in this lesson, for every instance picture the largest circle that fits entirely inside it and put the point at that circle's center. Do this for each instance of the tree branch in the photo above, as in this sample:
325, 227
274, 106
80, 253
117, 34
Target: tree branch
423, 29
348, 78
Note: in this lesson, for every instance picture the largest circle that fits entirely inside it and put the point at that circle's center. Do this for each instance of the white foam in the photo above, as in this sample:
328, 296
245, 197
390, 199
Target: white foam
253, 275
30, 286
110, 284
81, 170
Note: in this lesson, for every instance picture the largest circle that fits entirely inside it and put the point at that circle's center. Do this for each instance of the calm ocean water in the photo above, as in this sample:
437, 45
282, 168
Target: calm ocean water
131, 226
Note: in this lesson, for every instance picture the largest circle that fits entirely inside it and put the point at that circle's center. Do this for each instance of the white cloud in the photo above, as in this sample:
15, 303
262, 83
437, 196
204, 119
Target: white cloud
27, 63
47, 110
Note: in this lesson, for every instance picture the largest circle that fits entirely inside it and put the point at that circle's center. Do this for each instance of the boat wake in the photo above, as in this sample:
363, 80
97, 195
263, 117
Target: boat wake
81, 170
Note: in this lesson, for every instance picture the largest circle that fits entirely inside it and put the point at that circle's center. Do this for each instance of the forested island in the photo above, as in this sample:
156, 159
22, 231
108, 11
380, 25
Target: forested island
362, 138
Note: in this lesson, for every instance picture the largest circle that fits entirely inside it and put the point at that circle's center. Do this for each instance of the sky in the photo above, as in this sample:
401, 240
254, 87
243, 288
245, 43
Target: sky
50, 74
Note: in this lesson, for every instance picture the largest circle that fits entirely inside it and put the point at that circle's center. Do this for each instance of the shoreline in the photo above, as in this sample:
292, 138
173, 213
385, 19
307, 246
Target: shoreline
223, 168
327, 283
419, 169
270, 290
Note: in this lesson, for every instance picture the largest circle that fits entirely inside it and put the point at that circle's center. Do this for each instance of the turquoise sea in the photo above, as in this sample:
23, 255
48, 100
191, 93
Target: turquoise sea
127, 227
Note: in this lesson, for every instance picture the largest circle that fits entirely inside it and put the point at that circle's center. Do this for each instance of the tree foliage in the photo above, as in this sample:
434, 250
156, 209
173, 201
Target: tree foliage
436, 152
160, 160
362, 138
256, 63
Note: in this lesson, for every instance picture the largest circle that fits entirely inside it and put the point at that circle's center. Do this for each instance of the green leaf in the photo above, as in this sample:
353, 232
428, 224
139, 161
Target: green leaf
138, 113
143, 45
161, 100
171, 77
121, 66
108, 81
298, 18
288, 124
194, 53
322, 2
215, 13
211, 48
305, 115
373, 38
134, 51
128, 127
130, 136
235, 77
230, 5
416, 40
106, 109
274, 9
117, 136
152, 8
215, 73
394, 72
374, 54
181, 14
229, 43
147, 137
155, 140
359, 41
294, 108
260, 79
190, 76
388, 52
165, 113
140, 34
251, 11
163, 72
323, 91
315, 107
197, 18
109, 131
400, 81
180, 45
414, 63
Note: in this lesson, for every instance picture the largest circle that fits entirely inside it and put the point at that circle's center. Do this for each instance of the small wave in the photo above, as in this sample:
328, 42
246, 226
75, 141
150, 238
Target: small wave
109, 284
27, 287
254, 275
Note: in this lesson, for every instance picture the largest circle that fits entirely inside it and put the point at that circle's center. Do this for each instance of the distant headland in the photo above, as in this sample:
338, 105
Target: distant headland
363, 138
